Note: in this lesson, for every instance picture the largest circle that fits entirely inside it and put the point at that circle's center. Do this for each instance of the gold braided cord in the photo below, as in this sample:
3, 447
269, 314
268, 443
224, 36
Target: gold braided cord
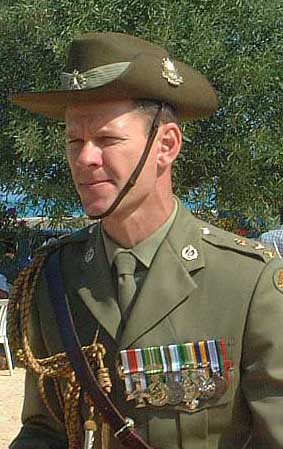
13, 316
25, 305
41, 385
56, 367
71, 412
59, 393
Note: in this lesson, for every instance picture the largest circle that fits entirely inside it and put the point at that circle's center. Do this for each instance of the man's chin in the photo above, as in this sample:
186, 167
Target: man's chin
95, 210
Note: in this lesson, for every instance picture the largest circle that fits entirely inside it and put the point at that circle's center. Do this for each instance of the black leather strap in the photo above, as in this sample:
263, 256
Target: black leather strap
121, 426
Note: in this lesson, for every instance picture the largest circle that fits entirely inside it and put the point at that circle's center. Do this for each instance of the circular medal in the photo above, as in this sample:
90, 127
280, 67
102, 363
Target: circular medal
191, 391
157, 394
206, 387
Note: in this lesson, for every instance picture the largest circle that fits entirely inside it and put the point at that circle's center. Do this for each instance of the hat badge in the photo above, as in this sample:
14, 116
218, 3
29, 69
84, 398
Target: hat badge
77, 80
170, 73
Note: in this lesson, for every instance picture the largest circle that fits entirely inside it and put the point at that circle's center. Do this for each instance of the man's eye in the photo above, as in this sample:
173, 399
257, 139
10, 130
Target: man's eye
73, 144
109, 140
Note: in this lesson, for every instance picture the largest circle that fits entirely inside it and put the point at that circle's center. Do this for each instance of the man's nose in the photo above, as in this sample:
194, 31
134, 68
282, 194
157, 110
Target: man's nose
90, 154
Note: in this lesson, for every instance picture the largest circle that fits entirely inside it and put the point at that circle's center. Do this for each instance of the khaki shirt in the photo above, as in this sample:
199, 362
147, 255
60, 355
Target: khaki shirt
143, 251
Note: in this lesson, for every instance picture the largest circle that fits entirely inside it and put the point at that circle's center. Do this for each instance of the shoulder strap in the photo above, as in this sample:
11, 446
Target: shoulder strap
123, 427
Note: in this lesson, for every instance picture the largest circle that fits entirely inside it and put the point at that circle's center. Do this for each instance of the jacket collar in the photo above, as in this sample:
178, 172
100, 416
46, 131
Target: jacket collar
168, 284
96, 284
170, 279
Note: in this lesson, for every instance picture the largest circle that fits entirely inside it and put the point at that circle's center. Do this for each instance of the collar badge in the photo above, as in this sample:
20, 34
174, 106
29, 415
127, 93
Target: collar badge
189, 253
89, 255
170, 73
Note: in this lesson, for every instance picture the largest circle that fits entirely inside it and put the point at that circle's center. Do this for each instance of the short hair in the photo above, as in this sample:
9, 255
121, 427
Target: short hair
150, 108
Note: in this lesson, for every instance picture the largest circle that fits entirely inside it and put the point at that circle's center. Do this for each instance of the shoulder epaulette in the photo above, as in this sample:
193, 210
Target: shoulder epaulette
248, 247
24, 285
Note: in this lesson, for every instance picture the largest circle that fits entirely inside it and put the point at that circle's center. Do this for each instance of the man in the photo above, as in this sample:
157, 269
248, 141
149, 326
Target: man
192, 325
274, 237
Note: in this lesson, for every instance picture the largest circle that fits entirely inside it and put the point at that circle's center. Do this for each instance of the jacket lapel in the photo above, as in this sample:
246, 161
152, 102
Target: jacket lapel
96, 285
169, 281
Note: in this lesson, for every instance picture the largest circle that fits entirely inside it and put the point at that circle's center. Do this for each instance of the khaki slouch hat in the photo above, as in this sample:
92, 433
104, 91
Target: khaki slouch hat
116, 66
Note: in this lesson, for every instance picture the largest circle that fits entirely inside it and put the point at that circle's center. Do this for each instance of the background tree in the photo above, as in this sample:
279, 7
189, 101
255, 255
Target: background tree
232, 161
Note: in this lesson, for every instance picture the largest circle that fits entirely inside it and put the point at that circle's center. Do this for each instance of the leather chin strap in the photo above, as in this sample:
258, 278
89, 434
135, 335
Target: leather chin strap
137, 171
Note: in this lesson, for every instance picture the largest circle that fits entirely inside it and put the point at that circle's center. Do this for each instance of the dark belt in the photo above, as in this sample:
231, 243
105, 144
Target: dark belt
122, 427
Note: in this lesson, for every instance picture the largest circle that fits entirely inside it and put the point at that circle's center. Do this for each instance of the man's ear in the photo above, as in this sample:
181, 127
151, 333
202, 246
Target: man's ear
170, 141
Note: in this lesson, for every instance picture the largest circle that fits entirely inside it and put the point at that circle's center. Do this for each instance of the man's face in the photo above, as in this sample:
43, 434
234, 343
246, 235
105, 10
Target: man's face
104, 143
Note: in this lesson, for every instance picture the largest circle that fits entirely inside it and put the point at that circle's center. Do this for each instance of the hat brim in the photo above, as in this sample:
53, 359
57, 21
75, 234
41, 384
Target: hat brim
192, 99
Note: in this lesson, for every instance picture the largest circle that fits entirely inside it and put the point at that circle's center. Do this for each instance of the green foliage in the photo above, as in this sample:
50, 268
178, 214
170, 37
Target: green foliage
236, 156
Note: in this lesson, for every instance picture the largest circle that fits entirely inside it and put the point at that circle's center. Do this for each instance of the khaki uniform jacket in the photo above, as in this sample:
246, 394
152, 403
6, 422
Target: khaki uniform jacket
229, 290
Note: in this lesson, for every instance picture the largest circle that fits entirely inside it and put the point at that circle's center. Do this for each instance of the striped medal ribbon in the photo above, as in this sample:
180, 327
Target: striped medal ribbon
167, 371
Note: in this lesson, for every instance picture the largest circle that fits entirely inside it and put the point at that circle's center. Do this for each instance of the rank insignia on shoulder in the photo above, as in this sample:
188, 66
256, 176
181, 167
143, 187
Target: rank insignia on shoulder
266, 252
240, 242
183, 375
258, 246
269, 253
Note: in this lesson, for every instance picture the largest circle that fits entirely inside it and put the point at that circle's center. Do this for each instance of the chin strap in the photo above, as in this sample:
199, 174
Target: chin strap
134, 176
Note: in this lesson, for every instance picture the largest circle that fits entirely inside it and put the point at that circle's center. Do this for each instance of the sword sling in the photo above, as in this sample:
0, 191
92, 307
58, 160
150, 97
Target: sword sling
123, 427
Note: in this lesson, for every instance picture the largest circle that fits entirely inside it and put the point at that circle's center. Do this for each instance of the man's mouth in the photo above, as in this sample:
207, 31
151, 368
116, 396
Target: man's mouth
95, 183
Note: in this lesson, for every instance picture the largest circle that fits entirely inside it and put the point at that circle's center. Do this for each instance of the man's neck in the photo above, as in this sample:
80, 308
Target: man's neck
129, 230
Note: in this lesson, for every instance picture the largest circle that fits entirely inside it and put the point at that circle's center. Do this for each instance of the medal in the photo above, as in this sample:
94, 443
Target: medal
190, 390
185, 374
206, 388
157, 394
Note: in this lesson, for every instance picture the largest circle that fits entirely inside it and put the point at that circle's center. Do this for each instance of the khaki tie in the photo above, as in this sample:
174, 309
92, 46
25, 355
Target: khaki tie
126, 264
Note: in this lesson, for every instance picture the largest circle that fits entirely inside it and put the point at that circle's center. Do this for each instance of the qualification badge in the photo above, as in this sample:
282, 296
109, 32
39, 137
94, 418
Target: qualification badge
183, 375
